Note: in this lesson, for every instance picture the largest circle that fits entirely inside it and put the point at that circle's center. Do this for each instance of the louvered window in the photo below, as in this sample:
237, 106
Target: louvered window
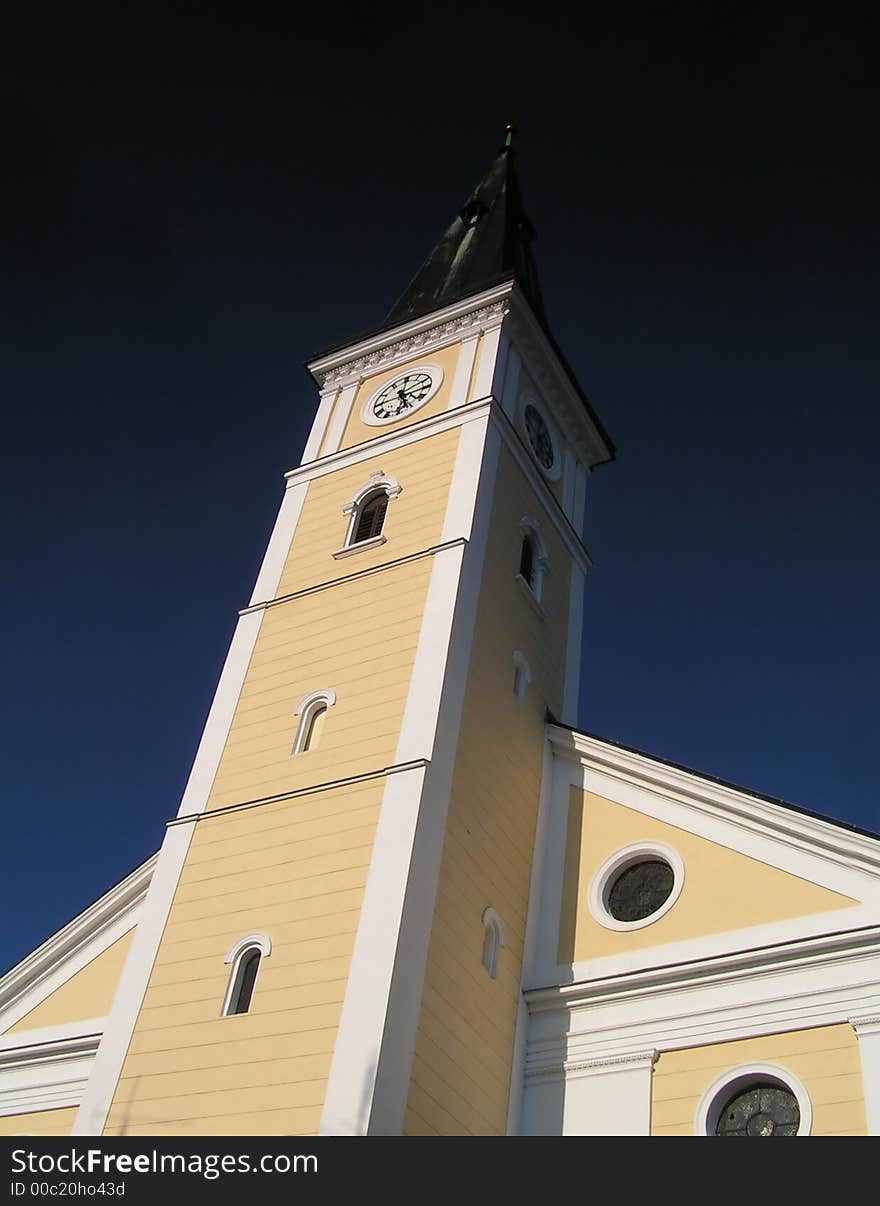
371, 517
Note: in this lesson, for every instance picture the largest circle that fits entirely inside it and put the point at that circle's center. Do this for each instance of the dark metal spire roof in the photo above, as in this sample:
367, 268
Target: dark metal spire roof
489, 241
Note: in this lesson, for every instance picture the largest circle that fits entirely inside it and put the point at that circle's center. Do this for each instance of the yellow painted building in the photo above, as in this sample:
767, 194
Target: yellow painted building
403, 894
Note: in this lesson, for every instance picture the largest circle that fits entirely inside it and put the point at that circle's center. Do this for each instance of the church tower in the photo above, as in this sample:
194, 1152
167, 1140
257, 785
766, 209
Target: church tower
334, 934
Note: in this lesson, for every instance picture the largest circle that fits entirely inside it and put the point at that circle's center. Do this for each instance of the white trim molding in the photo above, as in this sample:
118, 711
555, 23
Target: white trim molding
493, 941
306, 709
75, 945
260, 942
369, 1076
628, 856
601, 1095
531, 531
235, 956
378, 482
867, 1029
736, 1079
47, 1071
522, 675
483, 312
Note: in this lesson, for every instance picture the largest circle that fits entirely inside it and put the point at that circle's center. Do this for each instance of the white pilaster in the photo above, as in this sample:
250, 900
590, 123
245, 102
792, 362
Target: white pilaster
279, 543
467, 354
868, 1031
610, 1096
486, 363
510, 390
135, 976
573, 668
339, 419
368, 1082
319, 427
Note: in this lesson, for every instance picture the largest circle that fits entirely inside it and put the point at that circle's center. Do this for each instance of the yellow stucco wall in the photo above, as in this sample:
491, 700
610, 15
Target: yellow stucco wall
87, 994
40, 1122
711, 901
414, 519
358, 432
296, 871
359, 639
825, 1059
293, 869
462, 1062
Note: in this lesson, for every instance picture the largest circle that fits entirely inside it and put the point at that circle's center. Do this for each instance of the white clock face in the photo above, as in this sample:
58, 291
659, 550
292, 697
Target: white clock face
402, 395
539, 438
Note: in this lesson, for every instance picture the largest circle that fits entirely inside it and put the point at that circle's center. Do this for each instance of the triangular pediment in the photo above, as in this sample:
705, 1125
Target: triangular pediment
73, 972
749, 872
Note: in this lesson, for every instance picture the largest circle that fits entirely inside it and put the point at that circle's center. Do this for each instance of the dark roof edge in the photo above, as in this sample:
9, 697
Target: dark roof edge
748, 791
504, 278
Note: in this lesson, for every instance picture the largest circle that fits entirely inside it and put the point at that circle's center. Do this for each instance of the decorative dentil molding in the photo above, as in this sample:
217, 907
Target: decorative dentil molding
600, 1065
404, 349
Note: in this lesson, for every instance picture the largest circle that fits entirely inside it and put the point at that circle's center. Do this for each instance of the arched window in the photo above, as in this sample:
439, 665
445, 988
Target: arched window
493, 940
532, 557
366, 514
245, 956
371, 517
755, 1101
312, 713
522, 675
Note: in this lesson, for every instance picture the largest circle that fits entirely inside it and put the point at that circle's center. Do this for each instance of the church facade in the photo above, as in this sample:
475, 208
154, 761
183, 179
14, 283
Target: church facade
403, 894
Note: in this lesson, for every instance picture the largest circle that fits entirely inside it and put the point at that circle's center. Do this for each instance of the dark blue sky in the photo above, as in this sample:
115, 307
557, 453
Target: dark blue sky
192, 210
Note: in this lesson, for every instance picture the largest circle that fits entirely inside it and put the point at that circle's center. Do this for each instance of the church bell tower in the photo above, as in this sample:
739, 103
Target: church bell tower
334, 934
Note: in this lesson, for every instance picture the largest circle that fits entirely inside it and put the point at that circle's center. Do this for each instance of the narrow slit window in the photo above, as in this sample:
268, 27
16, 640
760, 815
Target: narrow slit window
493, 940
243, 989
527, 560
312, 713
245, 957
314, 728
371, 518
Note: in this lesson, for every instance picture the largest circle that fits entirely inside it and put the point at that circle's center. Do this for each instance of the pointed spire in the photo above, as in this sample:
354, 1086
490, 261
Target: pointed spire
489, 241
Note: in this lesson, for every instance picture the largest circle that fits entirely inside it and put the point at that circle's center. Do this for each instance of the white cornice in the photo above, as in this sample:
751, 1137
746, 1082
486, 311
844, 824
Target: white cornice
820, 982
387, 348
47, 1075
792, 956
806, 833
472, 412
41, 972
383, 443
542, 363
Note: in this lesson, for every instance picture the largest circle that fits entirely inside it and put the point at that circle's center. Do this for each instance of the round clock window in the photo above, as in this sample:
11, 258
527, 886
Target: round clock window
540, 439
402, 395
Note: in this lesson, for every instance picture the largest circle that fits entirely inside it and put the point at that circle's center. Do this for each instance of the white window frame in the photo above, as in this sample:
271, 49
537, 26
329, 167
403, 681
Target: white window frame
493, 940
627, 856
530, 530
733, 1081
378, 481
236, 955
323, 697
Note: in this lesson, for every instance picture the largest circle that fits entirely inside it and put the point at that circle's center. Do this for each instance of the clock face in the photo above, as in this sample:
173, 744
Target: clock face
403, 394
539, 438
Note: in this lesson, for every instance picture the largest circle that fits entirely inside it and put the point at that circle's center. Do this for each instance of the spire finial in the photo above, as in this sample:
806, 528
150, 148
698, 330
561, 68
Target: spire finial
509, 131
